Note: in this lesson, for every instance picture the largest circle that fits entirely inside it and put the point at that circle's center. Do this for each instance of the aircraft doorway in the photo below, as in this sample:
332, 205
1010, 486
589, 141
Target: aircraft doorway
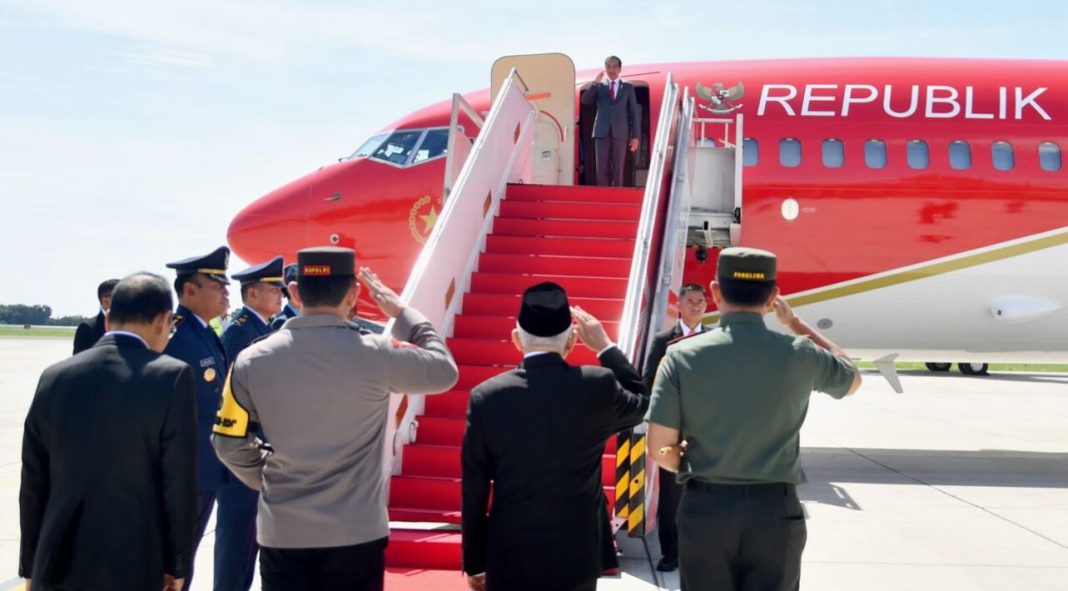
637, 164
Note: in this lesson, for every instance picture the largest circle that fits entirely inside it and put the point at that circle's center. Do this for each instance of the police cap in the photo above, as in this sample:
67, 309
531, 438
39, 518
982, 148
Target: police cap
544, 311
269, 272
326, 261
746, 264
213, 265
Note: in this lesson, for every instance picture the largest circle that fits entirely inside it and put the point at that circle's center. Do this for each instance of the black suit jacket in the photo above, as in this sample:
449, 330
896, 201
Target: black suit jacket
88, 333
657, 351
538, 433
620, 117
108, 495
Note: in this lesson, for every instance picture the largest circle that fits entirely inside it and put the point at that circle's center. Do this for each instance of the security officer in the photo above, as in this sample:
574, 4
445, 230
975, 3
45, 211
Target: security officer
289, 275
202, 295
320, 389
261, 294
735, 444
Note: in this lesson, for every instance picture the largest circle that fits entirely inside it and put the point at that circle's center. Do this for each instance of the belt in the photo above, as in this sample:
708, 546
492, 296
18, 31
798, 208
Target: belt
749, 490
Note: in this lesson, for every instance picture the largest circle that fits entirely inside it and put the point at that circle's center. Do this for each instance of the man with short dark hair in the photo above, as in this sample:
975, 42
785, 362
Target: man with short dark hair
617, 124
692, 307
320, 389
107, 498
201, 284
726, 413
90, 331
537, 433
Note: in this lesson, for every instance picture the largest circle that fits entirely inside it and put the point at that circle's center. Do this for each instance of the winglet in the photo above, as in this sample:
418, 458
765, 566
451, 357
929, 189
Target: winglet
886, 367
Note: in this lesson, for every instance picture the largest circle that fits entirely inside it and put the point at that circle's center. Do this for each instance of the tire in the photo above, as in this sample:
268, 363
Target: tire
939, 367
974, 369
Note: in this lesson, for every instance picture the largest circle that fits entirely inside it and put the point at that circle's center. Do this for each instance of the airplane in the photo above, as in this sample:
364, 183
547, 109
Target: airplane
919, 206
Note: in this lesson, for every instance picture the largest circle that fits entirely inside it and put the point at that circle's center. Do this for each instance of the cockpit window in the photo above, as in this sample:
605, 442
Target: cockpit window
398, 147
369, 146
434, 144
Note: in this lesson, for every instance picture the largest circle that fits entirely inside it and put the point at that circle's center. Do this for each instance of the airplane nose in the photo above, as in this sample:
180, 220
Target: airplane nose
273, 225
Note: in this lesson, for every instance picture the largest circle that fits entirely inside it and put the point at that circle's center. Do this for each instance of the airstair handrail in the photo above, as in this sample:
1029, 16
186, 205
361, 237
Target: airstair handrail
635, 306
457, 150
673, 245
442, 272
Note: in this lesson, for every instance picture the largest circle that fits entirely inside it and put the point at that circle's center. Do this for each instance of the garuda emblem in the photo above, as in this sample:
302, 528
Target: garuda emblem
721, 100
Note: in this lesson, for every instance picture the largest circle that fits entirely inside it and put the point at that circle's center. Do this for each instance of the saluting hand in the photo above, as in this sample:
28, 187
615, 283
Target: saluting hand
783, 312
600, 76
590, 330
387, 299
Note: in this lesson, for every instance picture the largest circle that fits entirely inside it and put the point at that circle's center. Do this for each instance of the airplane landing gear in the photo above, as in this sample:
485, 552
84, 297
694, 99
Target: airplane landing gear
939, 367
973, 369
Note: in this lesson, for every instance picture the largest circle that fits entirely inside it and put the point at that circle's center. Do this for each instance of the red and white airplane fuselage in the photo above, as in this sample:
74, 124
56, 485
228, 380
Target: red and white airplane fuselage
919, 207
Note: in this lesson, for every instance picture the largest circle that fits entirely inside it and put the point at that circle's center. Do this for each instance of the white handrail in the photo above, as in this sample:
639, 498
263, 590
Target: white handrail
453, 153
442, 272
631, 327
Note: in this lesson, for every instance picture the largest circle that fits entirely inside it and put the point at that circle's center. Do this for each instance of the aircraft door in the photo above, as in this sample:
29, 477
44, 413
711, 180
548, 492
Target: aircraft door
550, 78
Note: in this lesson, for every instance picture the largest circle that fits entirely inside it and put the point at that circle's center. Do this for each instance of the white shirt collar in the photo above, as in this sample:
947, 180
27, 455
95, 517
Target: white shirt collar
128, 334
686, 330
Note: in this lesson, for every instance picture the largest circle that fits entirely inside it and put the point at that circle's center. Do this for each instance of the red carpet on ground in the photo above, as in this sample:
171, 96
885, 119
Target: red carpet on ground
417, 579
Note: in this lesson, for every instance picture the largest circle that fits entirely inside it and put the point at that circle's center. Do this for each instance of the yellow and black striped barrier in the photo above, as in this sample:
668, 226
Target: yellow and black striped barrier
636, 492
622, 506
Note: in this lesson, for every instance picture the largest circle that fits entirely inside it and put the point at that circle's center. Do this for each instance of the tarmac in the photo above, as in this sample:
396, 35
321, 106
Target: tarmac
959, 483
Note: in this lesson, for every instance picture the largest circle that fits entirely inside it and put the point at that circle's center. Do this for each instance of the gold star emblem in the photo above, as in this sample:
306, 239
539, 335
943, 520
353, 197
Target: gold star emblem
429, 219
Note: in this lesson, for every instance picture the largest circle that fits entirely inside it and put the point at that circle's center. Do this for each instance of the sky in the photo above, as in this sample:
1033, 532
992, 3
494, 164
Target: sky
132, 132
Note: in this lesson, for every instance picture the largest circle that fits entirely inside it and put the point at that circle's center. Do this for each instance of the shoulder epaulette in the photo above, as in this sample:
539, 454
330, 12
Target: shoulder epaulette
177, 320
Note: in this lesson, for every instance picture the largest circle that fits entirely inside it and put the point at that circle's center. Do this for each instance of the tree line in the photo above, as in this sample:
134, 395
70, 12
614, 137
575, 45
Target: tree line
38, 314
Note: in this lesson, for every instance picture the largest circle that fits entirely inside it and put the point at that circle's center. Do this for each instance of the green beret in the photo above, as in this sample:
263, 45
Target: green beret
746, 264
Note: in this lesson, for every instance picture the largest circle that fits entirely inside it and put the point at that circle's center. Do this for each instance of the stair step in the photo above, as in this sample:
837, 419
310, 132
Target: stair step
500, 327
473, 375
582, 266
498, 352
503, 226
451, 405
562, 210
424, 549
440, 461
424, 515
589, 247
438, 430
509, 283
424, 492
573, 193
489, 304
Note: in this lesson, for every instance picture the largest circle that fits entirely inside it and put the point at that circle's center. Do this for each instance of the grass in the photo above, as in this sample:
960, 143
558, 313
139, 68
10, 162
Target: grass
51, 332
994, 367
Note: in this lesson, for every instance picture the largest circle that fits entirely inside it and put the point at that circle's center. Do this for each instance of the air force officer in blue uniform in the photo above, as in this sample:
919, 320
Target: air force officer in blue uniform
203, 295
261, 294
289, 275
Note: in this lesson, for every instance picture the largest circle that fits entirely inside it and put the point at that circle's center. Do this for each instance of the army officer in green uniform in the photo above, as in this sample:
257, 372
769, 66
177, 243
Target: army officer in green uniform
726, 412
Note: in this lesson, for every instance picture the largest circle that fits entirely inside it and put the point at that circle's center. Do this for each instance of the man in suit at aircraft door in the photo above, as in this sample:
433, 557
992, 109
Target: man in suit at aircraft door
617, 125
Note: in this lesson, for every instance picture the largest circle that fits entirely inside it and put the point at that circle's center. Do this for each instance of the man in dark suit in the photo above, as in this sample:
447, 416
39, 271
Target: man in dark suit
201, 285
538, 433
107, 498
692, 307
90, 331
617, 125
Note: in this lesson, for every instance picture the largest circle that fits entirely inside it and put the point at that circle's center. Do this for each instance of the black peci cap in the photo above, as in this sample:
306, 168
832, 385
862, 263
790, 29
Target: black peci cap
746, 264
544, 311
326, 261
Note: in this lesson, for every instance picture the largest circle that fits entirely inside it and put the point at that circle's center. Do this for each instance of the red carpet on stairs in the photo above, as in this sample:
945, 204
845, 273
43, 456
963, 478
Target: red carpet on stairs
579, 237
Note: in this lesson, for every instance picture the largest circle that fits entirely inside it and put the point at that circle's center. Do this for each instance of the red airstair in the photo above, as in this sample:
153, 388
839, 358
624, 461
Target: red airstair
580, 237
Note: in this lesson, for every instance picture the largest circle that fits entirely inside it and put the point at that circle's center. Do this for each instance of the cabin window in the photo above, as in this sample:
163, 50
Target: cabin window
960, 155
750, 151
833, 153
790, 152
1002, 156
918, 154
1049, 156
875, 153
434, 144
398, 147
368, 147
